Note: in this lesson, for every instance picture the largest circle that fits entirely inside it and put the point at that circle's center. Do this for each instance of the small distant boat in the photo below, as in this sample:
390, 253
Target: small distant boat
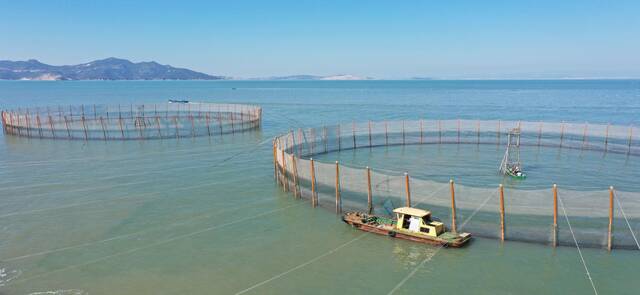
178, 101
410, 224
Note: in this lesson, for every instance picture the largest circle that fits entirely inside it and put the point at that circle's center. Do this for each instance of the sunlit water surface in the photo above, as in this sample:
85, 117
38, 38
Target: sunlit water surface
203, 216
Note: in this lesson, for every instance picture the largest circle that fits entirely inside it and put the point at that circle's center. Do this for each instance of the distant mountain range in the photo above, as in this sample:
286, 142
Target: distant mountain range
314, 77
104, 69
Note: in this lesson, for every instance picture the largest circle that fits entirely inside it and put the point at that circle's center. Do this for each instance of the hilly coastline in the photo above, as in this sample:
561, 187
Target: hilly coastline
104, 69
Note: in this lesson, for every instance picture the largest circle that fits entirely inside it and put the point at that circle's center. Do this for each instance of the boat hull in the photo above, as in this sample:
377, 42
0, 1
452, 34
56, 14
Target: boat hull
394, 233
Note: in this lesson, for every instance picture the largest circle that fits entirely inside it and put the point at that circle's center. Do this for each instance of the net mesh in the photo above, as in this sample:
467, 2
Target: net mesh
583, 214
132, 121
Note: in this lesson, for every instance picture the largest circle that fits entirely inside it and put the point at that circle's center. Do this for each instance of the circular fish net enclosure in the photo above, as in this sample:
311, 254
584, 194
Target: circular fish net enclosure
570, 214
148, 121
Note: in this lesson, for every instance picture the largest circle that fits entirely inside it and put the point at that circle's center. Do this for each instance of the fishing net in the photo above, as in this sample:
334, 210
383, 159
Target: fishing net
582, 214
149, 121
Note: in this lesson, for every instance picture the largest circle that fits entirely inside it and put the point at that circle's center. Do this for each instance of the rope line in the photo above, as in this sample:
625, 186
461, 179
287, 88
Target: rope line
415, 270
626, 220
584, 263
300, 265
131, 234
159, 243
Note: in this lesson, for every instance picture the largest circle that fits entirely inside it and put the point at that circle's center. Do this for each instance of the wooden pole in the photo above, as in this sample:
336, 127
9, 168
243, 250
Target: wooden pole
584, 135
458, 131
207, 119
421, 131
37, 121
539, 133
104, 132
555, 215
313, 184
325, 140
285, 179
158, 125
353, 129
339, 138
498, 134
630, 138
561, 133
454, 227
606, 137
338, 203
275, 162
501, 187
403, 136
408, 189
478, 131
386, 133
610, 231
297, 193
66, 125
369, 193
439, 131
369, 133
53, 129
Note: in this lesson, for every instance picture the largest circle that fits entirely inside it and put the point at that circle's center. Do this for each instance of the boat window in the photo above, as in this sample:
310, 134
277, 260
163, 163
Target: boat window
424, 229
426, 219
406, 220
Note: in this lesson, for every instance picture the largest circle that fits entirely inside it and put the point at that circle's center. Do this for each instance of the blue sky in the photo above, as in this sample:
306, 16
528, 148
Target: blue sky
384, 39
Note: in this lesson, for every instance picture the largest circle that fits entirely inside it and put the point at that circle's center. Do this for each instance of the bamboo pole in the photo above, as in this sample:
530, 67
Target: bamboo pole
28, 123
408, 189
300, 142
285, 179
386, 133
338, 201
555, 215
325, 140
158, 125
208, 121
339, 138
37, 121
630, 139
561, 133
313, 185
353, 129
539, 133
478, 131
610, 231
498, 133
369, 193
275, 161
501, 187
193, 126
454, 227
421, 131
84, 126
104, 132
458, 131
175, 121
584, 135
53, 129
606, 137
439, 131
66, 125
403, 136
369, 133
296, 182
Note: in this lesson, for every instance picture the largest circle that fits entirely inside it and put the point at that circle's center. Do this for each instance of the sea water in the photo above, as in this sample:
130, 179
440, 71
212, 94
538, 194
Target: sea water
203, 215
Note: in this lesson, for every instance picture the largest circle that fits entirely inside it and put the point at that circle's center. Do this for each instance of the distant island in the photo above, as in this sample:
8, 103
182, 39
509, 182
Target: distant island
105, 69
314, 77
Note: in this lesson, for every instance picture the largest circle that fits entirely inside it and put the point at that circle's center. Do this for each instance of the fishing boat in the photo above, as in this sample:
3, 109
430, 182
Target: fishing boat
178, 101
511, 165
409, 224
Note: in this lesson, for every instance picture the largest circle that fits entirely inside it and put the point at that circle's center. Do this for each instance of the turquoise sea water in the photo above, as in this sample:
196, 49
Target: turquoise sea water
194, 216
